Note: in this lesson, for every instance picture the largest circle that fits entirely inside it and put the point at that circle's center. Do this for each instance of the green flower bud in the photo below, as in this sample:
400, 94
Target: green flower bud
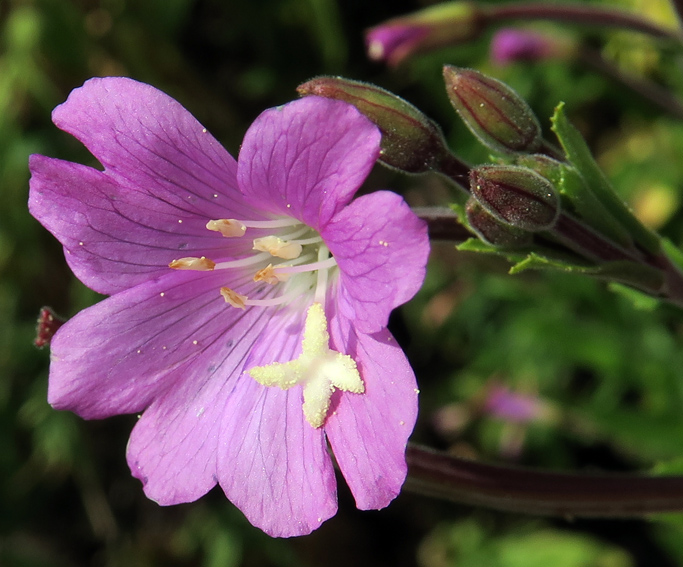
516, 195
411, 142
494, 112
492, 231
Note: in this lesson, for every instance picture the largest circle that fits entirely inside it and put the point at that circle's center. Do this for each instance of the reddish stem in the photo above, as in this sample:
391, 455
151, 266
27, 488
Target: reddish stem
530, 491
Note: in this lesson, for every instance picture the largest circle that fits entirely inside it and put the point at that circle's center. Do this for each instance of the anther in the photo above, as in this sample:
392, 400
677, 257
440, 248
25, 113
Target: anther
269, 275
233, 298
229, 228
202, 264
277, 247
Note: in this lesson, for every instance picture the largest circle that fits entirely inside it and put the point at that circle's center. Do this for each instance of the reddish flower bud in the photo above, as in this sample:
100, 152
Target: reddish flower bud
493, 111
47, 325
411, 142
492, 231
443, 24
516, 195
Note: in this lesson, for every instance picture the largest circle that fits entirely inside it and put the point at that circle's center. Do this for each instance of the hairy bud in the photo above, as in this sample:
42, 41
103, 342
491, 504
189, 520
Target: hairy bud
493, 111
516, 195
491, 230
411, 142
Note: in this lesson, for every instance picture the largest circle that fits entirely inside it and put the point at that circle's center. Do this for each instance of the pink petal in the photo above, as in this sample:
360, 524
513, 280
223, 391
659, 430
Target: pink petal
273, 464
307, 159
115, 238
148, 142
368, 432
173, 447
119, 355
381, 248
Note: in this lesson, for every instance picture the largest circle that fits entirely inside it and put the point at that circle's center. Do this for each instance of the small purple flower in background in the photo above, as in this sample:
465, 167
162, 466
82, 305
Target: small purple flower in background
447, 23
393, 43
509, 45
249, 301
508, 405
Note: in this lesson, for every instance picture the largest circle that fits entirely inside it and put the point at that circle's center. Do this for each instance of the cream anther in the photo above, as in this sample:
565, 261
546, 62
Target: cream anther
277, 247
269, 275
318, 369
202, 264
233, 298
229, 228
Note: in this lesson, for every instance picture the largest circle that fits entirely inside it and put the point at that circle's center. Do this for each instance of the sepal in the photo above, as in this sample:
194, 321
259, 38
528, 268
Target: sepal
579, 156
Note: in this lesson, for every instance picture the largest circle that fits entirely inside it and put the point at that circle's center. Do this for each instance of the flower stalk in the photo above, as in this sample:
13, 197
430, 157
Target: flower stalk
529, 491
578, 14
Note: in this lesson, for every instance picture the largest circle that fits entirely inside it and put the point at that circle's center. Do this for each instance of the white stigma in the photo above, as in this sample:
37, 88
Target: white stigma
319, 369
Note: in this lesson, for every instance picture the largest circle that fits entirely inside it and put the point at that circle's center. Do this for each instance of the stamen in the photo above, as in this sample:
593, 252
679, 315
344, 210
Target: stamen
276, 223
313, 240
229, 228
268, 275
316, 266
321, 285
202, 264
243, 262
277, 247
233, 298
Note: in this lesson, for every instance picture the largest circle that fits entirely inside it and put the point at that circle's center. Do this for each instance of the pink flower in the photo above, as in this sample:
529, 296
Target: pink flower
249, 301
511, 44
448, 23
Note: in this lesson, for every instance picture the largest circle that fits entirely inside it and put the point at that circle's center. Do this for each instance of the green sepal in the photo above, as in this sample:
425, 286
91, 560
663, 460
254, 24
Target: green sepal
642, 277
639, 299
673, 252
580, 157
476, 245
575, 194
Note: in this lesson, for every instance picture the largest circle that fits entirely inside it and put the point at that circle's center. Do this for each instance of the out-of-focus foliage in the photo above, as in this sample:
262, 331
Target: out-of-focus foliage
606, 372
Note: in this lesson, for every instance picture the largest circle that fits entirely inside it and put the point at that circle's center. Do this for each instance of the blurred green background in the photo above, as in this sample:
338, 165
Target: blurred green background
605, 373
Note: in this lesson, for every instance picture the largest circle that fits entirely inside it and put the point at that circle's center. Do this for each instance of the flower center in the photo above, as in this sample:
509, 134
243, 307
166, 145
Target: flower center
294, 258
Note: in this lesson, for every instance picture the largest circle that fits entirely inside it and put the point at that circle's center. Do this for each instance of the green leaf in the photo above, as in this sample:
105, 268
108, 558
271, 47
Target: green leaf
674, 253
581, 158
640, 300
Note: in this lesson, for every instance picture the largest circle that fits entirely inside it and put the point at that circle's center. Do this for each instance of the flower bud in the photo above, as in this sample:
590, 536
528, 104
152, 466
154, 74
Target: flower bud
444, 24
516, 195
492, 231
494, 112
411, 142
47, 325
512, 44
